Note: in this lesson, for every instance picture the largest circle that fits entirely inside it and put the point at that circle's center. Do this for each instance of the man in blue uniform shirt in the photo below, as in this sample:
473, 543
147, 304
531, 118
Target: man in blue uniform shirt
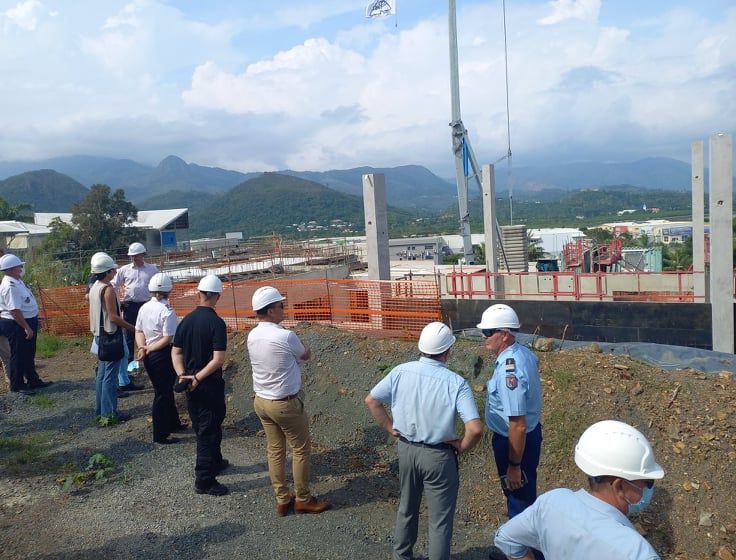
425, 397
513, 407
621, 470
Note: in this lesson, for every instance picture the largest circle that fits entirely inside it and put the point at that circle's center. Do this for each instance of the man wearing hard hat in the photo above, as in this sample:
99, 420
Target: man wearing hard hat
198, 353
134, 277
425, 398
513, 408
275, 353
19, 323
621, 469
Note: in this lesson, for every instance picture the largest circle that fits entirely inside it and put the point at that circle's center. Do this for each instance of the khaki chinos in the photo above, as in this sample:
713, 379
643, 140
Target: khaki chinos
285, 420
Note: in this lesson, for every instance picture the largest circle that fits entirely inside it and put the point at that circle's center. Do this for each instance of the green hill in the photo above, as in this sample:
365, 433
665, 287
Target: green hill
278, 203
45, 190
194, 200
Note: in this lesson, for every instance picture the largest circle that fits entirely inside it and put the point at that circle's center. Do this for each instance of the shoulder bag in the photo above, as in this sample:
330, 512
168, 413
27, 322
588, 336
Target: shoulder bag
109, 346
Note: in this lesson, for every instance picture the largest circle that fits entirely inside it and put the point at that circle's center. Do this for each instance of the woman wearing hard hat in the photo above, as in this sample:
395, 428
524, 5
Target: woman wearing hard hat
155, 327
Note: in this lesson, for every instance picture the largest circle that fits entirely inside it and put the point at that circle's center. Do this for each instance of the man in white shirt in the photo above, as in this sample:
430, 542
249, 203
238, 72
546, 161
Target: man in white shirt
134, 277
621, 470
274, 354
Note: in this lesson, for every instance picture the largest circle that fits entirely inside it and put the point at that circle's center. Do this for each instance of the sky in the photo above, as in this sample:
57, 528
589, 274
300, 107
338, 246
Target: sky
315, 85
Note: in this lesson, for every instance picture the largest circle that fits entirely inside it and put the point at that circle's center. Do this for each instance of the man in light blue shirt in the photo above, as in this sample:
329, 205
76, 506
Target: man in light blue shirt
425, 397
562, 524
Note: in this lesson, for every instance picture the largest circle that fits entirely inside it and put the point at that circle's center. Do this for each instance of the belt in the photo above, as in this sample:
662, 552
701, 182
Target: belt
426, 445
290, 397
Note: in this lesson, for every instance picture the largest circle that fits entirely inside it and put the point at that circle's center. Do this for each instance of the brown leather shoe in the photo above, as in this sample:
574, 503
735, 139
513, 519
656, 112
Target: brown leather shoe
284, 509
312, 505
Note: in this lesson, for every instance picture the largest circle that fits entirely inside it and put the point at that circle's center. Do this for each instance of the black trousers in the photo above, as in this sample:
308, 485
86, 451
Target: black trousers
206, 406
130, 314
22, 372
162, 375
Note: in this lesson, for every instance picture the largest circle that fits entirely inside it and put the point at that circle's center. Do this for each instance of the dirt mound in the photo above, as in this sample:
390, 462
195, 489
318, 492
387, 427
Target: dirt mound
689, 417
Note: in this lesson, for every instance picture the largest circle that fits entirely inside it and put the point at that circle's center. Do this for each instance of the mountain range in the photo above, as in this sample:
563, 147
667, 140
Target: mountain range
408, 186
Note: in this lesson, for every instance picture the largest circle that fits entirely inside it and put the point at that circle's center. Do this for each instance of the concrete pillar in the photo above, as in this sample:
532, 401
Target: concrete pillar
376, 226
490, 233
698, 222
721, 240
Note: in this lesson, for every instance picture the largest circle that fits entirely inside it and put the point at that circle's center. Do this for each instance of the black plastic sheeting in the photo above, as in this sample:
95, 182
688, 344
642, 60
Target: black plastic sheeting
663, 356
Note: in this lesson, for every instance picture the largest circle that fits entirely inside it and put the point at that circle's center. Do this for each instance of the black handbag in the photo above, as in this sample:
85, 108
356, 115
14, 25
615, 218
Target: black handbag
110, 347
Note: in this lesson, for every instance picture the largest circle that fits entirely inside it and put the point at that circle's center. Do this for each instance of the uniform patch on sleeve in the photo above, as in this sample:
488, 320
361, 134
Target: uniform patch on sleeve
511, 381
510, 365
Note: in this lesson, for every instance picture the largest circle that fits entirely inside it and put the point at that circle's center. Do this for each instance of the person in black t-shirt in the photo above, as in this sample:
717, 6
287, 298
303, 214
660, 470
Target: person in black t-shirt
198, 354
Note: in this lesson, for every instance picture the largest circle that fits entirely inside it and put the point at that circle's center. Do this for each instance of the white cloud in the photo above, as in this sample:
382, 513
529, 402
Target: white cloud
24, 14
563, 10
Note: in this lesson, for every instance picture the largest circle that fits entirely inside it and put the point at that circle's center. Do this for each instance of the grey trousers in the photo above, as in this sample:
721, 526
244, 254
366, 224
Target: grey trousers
434, 472
5, 356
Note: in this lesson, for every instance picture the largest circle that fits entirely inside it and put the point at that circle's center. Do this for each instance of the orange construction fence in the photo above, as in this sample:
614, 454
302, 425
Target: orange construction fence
385, 308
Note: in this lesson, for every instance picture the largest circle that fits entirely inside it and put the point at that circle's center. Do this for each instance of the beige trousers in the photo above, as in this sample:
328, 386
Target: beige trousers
5, 356
286, 421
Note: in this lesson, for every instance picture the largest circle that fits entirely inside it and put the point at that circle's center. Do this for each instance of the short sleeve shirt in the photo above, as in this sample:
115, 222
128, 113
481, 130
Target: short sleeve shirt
425, 397
514, 389
274, 356
199, 334
566, 524
156, 319
14, 294
135, 280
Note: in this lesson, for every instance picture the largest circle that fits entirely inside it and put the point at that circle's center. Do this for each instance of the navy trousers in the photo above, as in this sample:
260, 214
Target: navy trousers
522, 498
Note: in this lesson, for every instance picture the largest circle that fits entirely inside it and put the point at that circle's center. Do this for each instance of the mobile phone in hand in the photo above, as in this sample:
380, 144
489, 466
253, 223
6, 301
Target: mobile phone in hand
504, 480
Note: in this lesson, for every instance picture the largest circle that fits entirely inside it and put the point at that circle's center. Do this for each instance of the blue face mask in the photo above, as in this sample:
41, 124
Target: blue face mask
646, 497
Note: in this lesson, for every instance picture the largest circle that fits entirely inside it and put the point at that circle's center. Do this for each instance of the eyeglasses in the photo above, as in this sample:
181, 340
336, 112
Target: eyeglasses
488, 333
647, 483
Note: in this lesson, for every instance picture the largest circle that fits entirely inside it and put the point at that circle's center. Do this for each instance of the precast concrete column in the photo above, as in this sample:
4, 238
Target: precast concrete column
376, 226
721, 241
490, 227
698, 221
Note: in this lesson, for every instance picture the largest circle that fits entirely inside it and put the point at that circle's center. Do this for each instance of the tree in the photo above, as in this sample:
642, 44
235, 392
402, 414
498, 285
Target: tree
103, 218
678, 256
8, 212
100, 222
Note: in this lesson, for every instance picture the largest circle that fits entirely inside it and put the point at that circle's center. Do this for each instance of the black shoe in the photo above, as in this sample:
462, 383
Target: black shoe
182, 427
39, 384
216, 489
224, 464
131, 387
27, 392
167, 440
122, 394
120, 417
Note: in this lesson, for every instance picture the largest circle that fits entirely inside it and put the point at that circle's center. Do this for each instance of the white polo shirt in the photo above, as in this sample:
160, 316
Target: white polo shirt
156, 319
274, 354
14, 294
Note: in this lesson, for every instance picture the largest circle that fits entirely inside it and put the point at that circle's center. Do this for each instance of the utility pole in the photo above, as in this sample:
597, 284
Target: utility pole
464, 156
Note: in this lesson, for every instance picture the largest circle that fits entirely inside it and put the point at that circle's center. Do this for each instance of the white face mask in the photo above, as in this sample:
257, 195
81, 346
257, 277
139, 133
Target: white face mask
22, 272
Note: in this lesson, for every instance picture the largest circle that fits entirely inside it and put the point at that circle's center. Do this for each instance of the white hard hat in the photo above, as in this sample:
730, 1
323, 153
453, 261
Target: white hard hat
435, 338
102, 262
264, 296
612, 448
160, 282
210, 283
10, 261
136, 249
499, 316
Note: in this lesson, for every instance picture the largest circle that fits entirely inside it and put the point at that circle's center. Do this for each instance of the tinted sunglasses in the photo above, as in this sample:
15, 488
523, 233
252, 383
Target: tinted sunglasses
488, 333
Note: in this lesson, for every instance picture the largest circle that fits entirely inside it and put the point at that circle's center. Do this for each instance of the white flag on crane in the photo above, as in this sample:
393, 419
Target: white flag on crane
380, 8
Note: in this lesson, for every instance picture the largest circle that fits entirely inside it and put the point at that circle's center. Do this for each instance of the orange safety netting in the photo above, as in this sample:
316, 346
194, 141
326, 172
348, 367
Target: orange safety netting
396, 308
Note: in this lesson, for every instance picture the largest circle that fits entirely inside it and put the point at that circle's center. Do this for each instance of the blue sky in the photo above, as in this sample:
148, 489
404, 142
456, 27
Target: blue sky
315, 85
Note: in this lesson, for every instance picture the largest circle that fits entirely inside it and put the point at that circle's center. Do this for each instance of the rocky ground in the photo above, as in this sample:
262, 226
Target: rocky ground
143, 505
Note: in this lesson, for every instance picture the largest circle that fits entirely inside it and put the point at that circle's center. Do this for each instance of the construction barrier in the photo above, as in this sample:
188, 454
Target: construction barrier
393, 309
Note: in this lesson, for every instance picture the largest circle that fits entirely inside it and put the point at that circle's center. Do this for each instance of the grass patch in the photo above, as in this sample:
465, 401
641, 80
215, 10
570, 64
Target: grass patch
563, 379
48, 345
42, 401
98, 470
23, 450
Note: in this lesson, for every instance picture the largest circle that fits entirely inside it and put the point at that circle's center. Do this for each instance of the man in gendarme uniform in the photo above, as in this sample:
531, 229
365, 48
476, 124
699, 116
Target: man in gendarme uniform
513, 408
277, 381
198, 353
425, 398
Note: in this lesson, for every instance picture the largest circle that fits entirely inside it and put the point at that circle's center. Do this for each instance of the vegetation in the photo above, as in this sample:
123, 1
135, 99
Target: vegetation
98, 470
42, 191
23, 450
20, 212
48, 345
99, 223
